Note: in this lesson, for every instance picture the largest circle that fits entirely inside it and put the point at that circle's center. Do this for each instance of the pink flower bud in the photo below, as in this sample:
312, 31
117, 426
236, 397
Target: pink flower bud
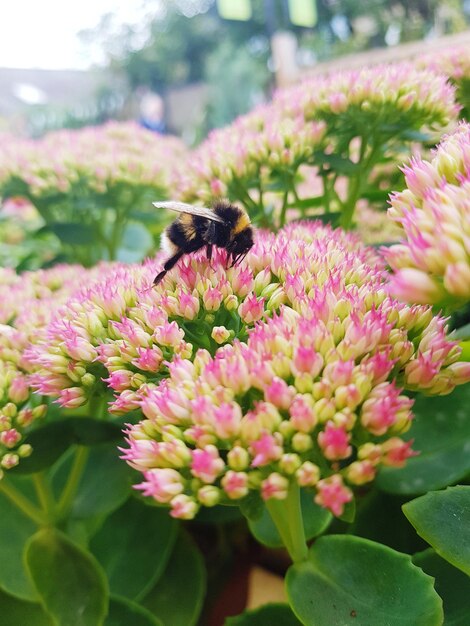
332, 494
307, 360
72, 397
19, 390
412, 285
279, 393
360, 472
9, 438
235, 484
302, 413
220, 334
188, 306
396, 452
207, 464
308, 474
227, 419
183, 507
208, 495
274, 486
161, 484
265, 450
457, 279
334, 442
251, 309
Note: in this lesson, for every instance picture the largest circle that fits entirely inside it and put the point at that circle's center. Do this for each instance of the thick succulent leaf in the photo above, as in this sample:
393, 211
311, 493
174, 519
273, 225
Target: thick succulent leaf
133, 546
442, 518
451, 584
178, 596
349, 580
70, 583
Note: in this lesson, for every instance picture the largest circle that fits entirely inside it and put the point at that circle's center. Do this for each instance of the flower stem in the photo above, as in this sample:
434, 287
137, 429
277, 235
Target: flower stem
296, 523
360, 178
282, 218
73, 481
287, 517
44, 493
22, 503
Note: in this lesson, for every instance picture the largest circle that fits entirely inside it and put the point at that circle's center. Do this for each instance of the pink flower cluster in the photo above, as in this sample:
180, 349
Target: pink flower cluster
119, 333
247, 152
101, 157
454, 62
314, 395
27, 303
306, 124
397, 92
432, 265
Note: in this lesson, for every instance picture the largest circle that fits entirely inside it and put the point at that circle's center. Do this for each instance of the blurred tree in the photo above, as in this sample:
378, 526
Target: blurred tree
184, 41
174, 49
237, 79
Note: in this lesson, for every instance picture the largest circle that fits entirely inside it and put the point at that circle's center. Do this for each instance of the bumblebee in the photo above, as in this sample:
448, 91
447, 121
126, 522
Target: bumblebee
224, 225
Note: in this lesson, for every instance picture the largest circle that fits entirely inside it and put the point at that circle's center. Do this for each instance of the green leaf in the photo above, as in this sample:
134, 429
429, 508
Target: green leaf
461, 333
88, 431
125, 612
348, 580
133, 546
336, 163
332, 218
465, 347
178, 596
415, 135
349, 513
316, 521
71, 585
451, 584
267, 615
75, 233
15, 530
15, 612
307, 203
50, 441
105, 484
220, 514
441, 432
135, 244
442, 518
252, 506
380, 518
376, 195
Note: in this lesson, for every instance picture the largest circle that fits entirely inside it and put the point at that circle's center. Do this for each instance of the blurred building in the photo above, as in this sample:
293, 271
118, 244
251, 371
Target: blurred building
33, 101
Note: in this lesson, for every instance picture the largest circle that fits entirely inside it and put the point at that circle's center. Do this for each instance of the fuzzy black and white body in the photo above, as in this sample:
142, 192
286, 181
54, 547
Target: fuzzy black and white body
223, 225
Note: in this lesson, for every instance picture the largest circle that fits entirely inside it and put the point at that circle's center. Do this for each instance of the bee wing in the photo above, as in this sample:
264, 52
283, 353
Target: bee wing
182, 207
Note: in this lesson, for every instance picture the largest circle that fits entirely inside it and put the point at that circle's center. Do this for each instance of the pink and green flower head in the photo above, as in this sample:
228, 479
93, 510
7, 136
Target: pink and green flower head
305, 400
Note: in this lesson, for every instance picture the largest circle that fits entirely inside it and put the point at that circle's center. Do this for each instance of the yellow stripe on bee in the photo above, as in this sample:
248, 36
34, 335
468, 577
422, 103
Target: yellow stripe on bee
242, 223
187, 226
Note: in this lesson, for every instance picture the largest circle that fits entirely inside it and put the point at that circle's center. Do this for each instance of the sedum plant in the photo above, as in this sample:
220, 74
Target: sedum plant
454, 63
432, 264
282, 388
308, 399
343, 125
93, 187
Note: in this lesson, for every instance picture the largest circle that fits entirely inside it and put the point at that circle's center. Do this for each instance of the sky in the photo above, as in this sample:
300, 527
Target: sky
43, 33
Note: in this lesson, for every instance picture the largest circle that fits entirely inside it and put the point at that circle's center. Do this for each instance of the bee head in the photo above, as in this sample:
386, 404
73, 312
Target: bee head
241, 244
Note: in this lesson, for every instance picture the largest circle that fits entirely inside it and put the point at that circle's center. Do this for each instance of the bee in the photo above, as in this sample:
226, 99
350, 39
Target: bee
224, 225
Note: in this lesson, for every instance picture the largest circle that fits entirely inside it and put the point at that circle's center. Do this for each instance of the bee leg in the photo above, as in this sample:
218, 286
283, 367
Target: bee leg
209, 252
172, 261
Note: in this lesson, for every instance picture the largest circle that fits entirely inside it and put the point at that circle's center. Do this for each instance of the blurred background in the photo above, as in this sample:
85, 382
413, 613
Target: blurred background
187, 66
